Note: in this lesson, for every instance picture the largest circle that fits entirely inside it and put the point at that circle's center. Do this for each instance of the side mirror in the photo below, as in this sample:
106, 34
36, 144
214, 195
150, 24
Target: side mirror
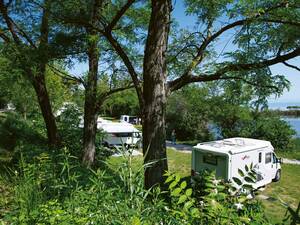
279, 160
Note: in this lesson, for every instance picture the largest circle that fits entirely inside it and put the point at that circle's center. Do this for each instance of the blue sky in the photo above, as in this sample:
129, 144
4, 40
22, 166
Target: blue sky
291, 96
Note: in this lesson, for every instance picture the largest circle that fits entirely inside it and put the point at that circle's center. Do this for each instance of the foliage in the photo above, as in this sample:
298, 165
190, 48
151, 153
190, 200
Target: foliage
211, 202
270, 128
219, 204
183, 205
123, 103
60, 191
15, 130
188, 113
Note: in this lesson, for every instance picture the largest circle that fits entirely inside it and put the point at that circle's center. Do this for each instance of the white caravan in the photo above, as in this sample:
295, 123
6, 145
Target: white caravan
226, 156
118, 134
130, 119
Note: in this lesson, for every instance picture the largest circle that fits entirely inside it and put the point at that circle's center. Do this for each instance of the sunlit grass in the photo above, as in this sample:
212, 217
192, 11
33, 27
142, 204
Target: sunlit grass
287, 189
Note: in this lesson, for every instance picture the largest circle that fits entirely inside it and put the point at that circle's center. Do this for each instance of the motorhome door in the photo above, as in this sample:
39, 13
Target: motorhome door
270, 168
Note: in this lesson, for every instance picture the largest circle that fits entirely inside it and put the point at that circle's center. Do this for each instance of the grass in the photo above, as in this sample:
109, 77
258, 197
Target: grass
178, 162
287, 189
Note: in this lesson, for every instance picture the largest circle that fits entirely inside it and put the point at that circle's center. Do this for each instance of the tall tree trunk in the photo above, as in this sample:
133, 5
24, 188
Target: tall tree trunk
90, 112
39, 82
40, 88
90, 105
155, 94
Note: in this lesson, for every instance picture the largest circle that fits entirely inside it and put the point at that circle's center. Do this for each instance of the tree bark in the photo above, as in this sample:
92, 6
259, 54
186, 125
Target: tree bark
90, 105
40, 88
90, 112
155, 94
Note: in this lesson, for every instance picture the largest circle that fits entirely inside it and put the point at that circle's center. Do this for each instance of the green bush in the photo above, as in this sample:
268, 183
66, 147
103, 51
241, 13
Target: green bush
212, 201
270, 128
14, 130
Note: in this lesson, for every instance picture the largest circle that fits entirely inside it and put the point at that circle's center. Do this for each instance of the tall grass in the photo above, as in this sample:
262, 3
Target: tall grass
56, 189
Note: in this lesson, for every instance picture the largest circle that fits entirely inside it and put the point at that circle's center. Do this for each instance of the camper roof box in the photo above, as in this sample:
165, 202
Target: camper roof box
233, 145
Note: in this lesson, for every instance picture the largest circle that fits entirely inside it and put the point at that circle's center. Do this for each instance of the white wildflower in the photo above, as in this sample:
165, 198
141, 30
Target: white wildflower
238, 205
216, 182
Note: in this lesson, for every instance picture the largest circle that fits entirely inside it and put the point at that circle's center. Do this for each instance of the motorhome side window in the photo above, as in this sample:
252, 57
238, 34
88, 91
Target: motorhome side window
268, 157
259, 157
210, 159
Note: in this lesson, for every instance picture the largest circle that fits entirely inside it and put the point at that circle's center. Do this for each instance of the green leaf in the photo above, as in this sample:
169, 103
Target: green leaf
247, 186
188, 204
241, 173
249, 180
246, 168
242, 199
176, 192
182, 199
136, 221
237, 180
172, 185
189, 192
169, 179
221, 196
195, 212
183, 185
178, 177
252, 175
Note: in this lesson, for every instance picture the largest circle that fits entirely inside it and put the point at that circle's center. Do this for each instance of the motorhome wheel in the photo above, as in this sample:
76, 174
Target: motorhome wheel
278, 175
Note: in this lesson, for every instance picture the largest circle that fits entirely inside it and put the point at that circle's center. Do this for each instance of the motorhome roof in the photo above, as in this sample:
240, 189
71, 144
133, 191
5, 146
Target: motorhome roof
233, 145
116, 127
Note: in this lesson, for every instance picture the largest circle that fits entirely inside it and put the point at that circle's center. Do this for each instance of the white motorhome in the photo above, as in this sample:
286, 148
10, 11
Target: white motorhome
226, 156
118, 134
130, 119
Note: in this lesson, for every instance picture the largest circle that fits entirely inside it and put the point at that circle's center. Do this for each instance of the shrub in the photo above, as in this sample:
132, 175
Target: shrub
14, 129
270, 128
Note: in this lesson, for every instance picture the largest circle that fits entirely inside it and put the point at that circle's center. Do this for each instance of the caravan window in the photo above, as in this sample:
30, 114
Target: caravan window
268, 157
259, 157
210, 159
123, 134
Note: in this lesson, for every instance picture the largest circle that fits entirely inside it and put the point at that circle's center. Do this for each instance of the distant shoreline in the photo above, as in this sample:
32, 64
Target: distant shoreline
283, 105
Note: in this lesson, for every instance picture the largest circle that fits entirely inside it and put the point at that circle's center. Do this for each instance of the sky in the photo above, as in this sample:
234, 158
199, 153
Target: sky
289, 96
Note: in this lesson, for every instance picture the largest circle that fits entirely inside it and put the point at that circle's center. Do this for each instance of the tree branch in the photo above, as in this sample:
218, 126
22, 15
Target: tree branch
4, 37
134, 76
65, 75
8, 21
184, 80
291, 66
118, 16
199, 57
249, 82
23, 33
105, 95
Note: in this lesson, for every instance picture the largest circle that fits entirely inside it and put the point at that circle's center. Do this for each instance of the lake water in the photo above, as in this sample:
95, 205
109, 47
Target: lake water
295, 123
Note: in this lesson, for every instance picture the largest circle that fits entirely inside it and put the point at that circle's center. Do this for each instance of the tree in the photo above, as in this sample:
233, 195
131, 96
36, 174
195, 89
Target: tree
77, 23
27, 44
125, 102
267, 36
189, 113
